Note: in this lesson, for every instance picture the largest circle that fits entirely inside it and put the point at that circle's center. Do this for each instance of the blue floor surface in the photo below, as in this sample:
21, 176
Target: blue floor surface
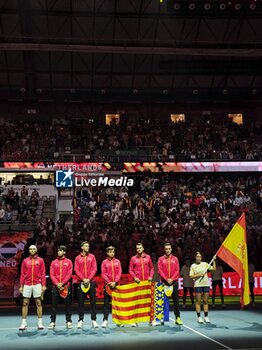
229, 329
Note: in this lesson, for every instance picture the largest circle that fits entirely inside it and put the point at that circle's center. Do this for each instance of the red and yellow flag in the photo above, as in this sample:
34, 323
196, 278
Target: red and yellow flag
234, 252
131, 303
143, 302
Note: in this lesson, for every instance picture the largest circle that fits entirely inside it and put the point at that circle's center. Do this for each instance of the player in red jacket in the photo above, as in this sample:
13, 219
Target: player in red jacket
32, 283
85, 269
61, 270
111, 272
168, 269
141, 267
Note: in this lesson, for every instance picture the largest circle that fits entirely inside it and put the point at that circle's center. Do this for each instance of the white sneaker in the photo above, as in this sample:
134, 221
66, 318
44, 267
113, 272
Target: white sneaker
105, 324
80, 324
133, 324
155, 324
200, 319
120, 325
206, 319
95, 324
40, 324
51, 325
69, 325
23, 326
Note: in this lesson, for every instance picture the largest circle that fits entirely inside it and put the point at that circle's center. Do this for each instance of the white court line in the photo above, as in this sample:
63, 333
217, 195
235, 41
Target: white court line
205, 336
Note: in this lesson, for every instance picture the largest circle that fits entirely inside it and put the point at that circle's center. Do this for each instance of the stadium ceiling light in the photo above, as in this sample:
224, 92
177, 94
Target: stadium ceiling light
238, 6
252, 6
222, 6
192, 6
195, 92
207, 6
176, 6
39, 90
23, 90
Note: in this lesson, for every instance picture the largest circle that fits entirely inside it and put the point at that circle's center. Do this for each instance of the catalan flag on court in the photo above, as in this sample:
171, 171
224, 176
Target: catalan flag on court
234, 252
143, 302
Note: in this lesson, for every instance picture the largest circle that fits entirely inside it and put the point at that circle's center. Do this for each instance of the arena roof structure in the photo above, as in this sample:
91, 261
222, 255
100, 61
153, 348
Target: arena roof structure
131, 50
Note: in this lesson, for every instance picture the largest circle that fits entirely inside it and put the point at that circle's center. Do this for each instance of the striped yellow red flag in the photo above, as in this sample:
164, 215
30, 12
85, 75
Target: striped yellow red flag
131, 303
234, 252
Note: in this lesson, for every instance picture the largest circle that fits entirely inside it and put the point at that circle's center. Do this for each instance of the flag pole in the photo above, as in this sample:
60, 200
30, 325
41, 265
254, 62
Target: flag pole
208, 266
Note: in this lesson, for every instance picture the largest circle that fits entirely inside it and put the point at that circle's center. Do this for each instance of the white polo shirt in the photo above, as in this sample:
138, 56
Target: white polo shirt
195, 269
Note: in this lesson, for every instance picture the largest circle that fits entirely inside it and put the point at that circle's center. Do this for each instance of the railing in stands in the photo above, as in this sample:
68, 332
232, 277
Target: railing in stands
127, 156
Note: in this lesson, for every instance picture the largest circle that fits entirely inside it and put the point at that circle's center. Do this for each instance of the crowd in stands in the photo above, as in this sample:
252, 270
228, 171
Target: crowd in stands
190, 212
196, 139
18, 207
193, 213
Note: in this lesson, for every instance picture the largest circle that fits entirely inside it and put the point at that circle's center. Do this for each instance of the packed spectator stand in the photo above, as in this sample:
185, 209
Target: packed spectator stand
65, 139
192, 212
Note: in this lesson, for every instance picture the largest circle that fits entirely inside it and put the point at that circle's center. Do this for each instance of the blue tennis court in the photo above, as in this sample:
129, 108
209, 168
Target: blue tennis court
229, 329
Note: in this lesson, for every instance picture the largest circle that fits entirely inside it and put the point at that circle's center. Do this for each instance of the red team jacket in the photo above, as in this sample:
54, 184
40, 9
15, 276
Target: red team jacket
61, 271
33, 271
141, 267
168, 267
111, 270
85, 266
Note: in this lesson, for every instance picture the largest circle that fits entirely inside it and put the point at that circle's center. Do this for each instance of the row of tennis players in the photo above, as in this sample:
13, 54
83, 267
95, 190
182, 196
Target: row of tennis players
141, 268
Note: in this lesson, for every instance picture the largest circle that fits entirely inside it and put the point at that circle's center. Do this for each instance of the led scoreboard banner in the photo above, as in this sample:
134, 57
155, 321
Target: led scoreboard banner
192, 167
136, 167
36, 166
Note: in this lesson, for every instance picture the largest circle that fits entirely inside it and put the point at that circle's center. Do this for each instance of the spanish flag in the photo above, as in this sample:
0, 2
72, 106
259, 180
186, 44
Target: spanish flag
234, 252
143, 302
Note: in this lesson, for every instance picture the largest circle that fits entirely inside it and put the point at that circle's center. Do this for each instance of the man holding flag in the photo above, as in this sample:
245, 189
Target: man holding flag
143, 300
141, 267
